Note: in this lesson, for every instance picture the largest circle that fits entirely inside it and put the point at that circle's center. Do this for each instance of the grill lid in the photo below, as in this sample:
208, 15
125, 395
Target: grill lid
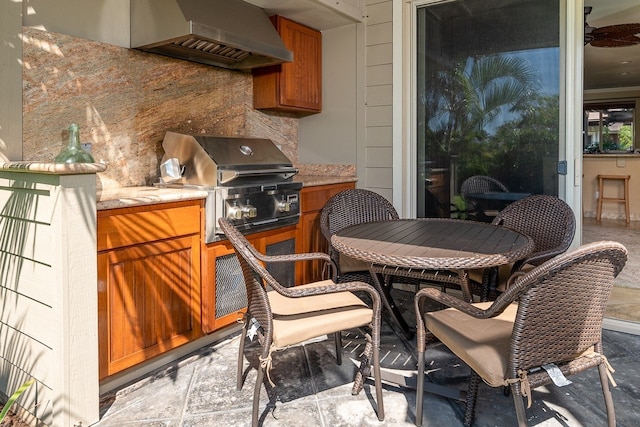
211, 160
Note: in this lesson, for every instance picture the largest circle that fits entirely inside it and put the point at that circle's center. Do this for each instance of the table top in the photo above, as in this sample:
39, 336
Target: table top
433, 243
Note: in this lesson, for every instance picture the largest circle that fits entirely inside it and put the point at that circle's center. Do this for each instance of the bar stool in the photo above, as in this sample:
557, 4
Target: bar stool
625, 199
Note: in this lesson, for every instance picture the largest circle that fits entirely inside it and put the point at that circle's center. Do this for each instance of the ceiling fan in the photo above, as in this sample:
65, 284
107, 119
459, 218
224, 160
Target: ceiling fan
619, 35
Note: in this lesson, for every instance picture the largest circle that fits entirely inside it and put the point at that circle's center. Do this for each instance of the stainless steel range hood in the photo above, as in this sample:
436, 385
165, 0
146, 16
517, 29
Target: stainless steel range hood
225, 33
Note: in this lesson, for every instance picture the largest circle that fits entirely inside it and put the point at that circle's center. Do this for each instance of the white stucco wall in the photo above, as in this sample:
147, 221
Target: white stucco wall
100, 20
330, 137
11, 81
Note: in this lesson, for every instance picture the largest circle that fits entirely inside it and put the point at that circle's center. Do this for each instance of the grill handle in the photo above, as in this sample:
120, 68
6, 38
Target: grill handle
227, 176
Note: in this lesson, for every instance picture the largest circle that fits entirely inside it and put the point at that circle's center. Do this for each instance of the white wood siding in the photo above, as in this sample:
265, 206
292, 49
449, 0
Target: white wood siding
374, 166
48, 319
379, 95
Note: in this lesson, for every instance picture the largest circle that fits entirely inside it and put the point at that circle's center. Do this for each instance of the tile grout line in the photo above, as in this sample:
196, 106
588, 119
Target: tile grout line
186, 396
314, 386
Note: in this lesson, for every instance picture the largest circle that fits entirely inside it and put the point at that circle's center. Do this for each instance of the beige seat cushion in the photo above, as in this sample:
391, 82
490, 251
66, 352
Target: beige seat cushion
483, 344
299, 319
349, 265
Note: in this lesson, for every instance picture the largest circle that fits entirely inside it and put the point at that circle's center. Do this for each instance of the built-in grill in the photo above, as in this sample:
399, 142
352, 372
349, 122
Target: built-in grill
250, 181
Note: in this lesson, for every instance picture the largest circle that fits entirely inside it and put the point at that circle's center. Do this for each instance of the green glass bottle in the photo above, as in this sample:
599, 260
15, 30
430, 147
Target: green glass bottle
74, 152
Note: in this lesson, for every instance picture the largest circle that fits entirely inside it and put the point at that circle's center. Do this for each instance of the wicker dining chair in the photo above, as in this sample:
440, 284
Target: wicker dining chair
550, 316
290, 316
351, 207
548, 220
480, 184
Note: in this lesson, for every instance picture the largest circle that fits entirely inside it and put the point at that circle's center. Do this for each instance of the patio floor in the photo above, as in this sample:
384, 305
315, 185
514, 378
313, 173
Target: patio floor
311, 390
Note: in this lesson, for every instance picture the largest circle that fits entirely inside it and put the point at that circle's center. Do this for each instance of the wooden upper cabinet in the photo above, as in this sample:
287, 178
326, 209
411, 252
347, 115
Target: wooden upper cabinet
296, 86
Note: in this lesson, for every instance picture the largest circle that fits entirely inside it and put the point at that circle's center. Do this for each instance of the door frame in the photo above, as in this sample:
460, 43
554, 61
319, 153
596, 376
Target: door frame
404, 111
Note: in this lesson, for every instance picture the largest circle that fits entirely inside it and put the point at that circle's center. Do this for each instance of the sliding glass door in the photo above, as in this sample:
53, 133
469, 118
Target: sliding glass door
488, 101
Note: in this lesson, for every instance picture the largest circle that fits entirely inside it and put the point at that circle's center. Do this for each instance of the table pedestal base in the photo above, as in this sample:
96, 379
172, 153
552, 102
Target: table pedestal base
409, 379
382, 280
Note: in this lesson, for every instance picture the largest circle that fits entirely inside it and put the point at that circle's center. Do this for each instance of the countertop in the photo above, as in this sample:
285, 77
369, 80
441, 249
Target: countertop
135, 196
53, 168
315, 180
611, 155
145, 195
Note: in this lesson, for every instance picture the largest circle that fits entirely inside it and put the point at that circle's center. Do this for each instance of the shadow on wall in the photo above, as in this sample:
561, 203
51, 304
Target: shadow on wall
18, 227
33, 279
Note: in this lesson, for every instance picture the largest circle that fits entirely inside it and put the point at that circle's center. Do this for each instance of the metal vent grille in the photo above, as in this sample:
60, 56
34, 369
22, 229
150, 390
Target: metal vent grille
227, 53
231, 294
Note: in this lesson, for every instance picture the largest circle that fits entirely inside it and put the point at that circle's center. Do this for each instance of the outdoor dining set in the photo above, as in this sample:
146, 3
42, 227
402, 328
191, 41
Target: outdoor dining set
508, 297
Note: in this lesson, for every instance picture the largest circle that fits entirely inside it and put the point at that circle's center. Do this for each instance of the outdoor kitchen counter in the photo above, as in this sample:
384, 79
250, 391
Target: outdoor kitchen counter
315, 180
135, 196
112, 198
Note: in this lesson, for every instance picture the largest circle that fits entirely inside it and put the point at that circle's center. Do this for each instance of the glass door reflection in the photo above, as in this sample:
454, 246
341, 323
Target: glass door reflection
487, 99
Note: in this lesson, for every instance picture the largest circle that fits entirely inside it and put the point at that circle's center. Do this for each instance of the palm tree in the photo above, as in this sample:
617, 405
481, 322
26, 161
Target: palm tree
461, 105
467, 99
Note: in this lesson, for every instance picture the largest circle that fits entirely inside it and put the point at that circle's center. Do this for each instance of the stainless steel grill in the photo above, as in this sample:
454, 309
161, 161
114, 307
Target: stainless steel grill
249, 180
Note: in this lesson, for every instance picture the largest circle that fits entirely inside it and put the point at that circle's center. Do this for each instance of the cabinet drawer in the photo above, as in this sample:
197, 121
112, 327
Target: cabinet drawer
131, 226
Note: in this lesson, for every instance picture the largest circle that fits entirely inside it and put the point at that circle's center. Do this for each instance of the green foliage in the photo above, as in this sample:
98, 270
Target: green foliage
469, 96
607, 141
625, 137
460, 207
522, 145
14, 397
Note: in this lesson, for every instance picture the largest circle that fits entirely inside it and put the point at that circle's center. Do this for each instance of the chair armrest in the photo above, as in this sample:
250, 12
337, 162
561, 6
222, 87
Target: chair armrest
513, 278
495, 309
445, 299
310, 256
332, 270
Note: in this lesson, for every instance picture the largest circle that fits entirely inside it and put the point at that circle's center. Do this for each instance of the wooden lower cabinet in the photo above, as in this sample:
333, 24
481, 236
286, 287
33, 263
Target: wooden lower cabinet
160, 286
310, 238
148, 282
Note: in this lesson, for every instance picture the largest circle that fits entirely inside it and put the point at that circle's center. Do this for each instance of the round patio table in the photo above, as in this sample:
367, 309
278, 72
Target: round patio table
435, 249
